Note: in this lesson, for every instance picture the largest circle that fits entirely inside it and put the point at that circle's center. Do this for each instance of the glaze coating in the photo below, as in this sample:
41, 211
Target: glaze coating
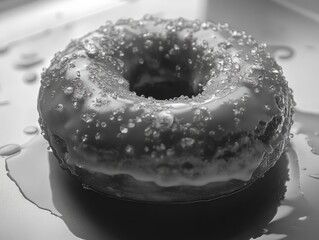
183, 110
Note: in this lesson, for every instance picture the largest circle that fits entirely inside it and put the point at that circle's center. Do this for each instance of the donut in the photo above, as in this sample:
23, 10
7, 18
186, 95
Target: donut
165, 110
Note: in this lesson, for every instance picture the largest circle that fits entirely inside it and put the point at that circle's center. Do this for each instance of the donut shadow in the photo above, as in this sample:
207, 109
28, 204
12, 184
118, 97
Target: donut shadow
241, 215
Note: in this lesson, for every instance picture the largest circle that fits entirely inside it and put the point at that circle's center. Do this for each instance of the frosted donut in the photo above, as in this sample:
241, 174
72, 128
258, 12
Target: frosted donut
165, 110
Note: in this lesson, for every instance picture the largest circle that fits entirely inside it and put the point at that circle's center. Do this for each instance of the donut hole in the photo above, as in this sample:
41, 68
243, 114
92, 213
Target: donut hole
166, 70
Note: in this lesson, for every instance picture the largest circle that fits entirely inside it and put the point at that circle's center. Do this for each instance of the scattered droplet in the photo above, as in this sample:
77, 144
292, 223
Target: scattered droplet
170, 152
129, 150
28, 61
131, 125
123, 129
84, 137
302, 218
9, 149
91, 49
164, 120
267, 107
30, 130
68, 90
59, 107
30, 77
88, 117
148, 131
97, 136
187, 142
4, 49
148, 44
4, 102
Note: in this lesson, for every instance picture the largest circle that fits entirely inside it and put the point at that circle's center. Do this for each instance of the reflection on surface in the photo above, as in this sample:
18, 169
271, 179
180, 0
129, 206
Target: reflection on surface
245, 213
251, 212
92, 216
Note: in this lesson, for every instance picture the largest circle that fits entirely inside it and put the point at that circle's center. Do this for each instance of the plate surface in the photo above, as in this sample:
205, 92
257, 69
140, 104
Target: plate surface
40, 201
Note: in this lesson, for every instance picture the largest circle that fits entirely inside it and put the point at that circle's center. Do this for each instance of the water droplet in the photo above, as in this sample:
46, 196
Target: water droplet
129, 150
187, 142
97, 136
205, 44
164, 120
30, 77
68, 90
303, 218
91, 49
120, 80
156, 134
135, 49
225, 45
123, 129
84, 137
9, 149
236, 34
205, 25
71, 65
88, 117
148, 43
170, 152
267, 107
4, 49
75, 105
4, 102
161, 147
146, 149
138, 119
275, 70
131, 125
148, 131
211, 133
59, 107
30, 130
28, 62
103, 124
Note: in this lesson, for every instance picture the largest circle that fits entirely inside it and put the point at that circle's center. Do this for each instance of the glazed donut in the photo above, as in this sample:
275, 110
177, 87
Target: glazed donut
165, 110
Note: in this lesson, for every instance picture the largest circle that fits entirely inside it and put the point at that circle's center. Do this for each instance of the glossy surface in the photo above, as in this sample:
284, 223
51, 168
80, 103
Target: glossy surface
237, 88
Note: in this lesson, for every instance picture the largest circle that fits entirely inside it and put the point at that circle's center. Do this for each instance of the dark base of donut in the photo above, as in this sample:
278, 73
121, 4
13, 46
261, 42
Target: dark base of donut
126, 187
